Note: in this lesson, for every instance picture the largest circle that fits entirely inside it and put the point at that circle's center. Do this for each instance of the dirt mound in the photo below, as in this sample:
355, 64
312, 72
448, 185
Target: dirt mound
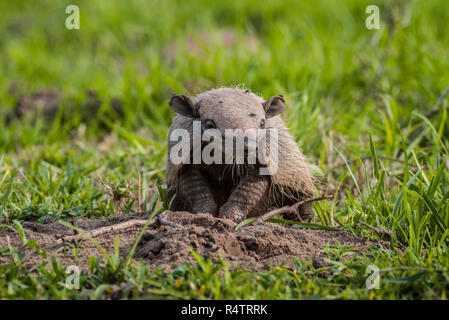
254, 247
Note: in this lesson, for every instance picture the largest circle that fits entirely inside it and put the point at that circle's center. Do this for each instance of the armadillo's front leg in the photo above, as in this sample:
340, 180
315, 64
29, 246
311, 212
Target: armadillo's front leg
249, 194
196, 191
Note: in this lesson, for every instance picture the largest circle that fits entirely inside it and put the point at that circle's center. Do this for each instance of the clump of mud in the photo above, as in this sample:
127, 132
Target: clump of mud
255, 247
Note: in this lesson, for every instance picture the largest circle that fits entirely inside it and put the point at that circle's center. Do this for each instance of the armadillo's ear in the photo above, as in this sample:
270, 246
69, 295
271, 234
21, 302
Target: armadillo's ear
273, 106
184, 105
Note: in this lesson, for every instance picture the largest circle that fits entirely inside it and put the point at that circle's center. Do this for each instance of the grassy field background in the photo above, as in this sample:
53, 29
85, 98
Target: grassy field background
358, 104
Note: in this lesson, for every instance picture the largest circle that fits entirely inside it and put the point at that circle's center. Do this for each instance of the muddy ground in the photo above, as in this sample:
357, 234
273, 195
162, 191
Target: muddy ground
255, 247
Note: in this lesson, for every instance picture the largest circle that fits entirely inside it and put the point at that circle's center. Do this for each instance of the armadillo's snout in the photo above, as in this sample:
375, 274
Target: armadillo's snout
244, 142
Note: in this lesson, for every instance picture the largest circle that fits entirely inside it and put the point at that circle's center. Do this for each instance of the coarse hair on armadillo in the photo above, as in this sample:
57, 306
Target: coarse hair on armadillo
292, 179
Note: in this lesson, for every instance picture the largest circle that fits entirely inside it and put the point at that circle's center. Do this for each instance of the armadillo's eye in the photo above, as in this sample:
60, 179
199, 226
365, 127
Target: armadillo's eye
262, 123
210, 124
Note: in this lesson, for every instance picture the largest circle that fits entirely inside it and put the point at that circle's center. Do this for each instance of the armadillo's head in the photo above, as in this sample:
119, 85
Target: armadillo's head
229, 115
228, 108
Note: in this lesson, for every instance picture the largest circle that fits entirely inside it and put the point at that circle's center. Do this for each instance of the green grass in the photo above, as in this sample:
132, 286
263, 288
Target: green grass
354, 100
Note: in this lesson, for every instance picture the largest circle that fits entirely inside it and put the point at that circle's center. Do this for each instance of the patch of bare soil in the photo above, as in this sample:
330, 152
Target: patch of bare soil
255, 247
48, 102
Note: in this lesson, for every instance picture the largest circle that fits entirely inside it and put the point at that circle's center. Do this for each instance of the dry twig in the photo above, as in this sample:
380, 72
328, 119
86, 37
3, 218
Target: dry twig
290, 209
119, 227
103, 230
